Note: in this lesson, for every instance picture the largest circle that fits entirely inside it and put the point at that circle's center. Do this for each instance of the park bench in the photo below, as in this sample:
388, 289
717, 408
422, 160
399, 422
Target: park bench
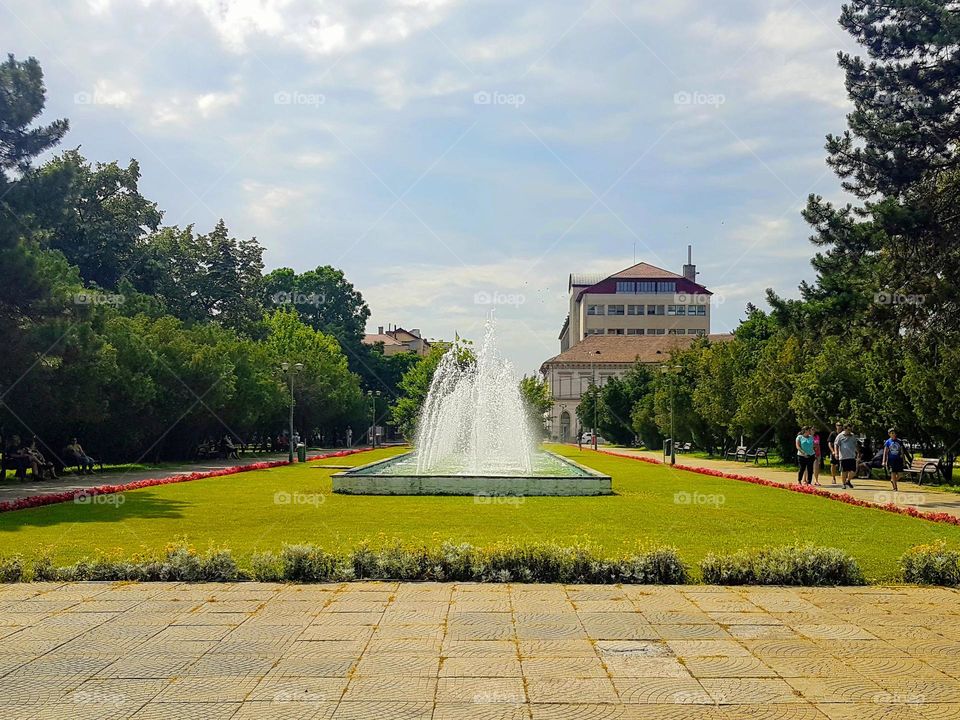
738, 454
756, 454
921, 466
684, 447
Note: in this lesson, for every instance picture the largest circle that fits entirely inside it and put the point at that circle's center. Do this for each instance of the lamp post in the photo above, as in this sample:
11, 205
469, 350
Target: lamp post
373, 417
290, 371
671, 370
596, 398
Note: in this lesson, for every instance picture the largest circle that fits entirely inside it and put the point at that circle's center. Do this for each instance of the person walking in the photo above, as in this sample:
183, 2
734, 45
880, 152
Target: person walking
893, 452
818, 439
805, 455
834, 455
846, 444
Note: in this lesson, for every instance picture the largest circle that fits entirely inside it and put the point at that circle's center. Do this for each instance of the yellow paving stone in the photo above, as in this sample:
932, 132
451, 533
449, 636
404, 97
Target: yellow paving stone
555, 667
478, 648
481, 667
474, 711
824, 666
834, 632
708, 648
662, 691
834, 690
575, 647
651, 667
389, 689
692, 632
624, 712
734, 691
571, 690
728, 667
765, 632
394, 710
481, 691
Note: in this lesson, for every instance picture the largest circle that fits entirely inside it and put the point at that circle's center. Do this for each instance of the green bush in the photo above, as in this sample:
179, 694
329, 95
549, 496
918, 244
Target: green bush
307, 563
933, 564
11, 569
180, 563
789, 565
265, 567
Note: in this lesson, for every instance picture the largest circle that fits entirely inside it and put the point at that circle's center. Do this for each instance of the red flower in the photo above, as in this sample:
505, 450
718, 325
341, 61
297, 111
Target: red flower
941, 517
67, 496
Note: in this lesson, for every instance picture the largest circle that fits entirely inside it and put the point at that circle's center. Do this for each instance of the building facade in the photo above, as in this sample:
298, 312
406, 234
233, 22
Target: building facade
640, 300
640, 314
397, 340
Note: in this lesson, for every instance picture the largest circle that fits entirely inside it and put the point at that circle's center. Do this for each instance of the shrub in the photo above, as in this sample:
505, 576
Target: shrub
306, 563
43, 570
789, 565
933, 564
11, 569
266, 567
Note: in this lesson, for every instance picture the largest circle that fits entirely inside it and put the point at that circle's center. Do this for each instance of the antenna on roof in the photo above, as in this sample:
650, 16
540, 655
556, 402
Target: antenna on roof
634, 252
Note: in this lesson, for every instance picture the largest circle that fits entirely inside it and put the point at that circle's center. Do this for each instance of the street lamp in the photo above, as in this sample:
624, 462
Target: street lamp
596, 399
290, 371
373, 417
671, 370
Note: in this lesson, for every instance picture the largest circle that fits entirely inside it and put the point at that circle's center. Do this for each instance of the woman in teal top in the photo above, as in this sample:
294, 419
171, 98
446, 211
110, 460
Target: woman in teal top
806, 455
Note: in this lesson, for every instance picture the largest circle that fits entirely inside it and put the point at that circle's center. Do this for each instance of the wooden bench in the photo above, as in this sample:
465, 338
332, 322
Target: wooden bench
920, 466
684, 447
738, 455
756, 454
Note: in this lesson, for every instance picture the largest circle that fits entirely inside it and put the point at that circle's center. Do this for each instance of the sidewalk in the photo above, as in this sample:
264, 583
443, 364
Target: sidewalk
921, 497
13, 490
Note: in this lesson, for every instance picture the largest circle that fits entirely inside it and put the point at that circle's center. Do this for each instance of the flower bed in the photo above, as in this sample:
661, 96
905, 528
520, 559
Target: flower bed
803, 489
82, 493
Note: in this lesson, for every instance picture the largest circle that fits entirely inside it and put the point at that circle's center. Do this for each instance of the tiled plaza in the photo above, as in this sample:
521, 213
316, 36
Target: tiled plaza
477, 652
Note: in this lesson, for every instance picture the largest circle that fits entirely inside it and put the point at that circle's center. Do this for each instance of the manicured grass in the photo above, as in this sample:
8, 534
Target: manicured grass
240, 512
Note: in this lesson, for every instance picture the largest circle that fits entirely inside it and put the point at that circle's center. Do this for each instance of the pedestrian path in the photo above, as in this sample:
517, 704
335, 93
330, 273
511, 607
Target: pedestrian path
922, 497
15, 490
433, 651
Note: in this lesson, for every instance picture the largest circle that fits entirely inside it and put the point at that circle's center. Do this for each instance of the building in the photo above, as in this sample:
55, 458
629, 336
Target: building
640, 314
397, 340
640, 300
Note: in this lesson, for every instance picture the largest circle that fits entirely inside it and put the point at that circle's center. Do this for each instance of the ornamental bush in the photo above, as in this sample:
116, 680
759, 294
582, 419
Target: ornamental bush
788, 565
933, 564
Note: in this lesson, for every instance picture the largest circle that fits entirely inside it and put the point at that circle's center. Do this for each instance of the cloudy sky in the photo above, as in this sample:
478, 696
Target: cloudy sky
436, 149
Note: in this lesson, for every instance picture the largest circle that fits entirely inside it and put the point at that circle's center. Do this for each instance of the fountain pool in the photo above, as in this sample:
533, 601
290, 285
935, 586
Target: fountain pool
474, 437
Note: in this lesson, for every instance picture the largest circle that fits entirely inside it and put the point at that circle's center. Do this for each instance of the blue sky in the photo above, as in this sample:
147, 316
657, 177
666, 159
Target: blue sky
438, 149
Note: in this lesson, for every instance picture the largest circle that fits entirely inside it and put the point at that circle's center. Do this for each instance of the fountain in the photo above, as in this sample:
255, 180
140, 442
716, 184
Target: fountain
474, 437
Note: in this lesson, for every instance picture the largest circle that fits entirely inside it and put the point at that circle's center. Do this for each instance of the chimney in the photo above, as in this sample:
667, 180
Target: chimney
690, 270
380, 330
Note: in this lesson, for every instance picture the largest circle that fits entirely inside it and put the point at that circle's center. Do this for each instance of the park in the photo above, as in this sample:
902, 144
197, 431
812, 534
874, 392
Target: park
329, 389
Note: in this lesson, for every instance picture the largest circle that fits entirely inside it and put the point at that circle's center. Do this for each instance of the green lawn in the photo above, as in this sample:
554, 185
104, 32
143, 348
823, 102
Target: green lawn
240, 512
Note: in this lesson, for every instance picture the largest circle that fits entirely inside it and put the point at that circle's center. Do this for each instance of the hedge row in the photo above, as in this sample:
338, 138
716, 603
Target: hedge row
798, 565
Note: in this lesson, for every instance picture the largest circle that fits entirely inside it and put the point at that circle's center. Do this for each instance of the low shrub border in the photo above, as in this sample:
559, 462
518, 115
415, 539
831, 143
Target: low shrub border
447, 562
803, 489
802, 565
67, 496
933, 564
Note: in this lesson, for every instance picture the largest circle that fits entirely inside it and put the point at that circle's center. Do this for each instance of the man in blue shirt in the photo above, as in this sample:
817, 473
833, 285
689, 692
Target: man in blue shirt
893, 452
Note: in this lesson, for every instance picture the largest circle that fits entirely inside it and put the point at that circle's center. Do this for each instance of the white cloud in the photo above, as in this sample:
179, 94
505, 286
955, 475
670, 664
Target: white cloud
265, 202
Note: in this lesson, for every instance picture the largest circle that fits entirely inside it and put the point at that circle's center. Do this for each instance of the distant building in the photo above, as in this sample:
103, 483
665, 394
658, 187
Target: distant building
640, 314
640, 300
398, 340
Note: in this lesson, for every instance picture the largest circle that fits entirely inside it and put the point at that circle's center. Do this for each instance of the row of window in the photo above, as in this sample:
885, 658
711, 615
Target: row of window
700, 310
647, 331
646, 286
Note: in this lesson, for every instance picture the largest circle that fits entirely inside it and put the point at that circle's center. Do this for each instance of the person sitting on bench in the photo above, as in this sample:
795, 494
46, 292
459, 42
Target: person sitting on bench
76, 454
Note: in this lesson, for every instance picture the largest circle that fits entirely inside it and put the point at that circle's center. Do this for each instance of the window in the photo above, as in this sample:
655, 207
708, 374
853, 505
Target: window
681, 310
701, 310
594, 309
626, 287
692, 310
634, 309
614, 331
594, 331
657, 331
651, 309
697, 331
646, 286
671, 309
676, 309
614, 309
676, 331
634, 331
666, 287
660, 309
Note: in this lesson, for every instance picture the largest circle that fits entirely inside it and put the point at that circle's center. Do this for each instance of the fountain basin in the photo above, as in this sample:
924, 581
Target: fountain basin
551, 475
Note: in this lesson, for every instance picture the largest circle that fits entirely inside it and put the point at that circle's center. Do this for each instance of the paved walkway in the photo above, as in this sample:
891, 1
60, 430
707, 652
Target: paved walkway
13, 490
922, 497
456, 652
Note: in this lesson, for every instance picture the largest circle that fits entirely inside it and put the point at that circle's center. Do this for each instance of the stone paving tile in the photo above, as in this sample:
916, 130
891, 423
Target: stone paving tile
445, 652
